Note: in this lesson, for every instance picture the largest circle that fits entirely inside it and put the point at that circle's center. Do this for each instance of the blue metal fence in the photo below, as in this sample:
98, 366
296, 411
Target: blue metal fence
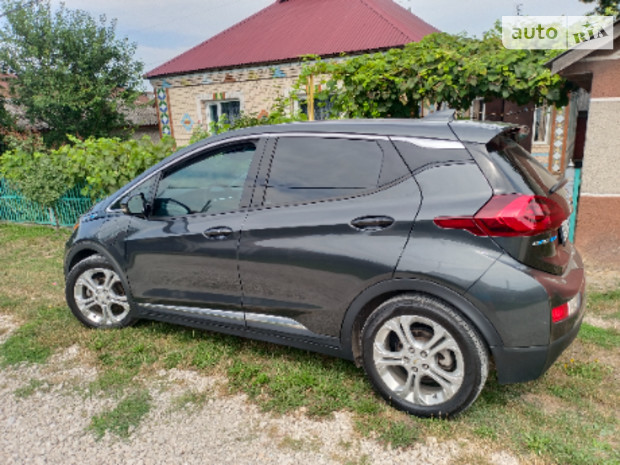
16, 208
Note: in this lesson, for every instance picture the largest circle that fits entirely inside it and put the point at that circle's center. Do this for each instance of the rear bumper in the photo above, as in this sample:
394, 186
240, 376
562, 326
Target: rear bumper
519, 364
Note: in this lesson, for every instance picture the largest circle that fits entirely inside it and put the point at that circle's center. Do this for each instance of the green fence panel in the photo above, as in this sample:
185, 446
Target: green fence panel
15, 208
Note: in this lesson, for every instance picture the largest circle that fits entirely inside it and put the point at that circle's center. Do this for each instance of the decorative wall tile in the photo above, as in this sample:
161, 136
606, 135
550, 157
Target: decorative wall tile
558, 147
278, 73
163, 110
187, 122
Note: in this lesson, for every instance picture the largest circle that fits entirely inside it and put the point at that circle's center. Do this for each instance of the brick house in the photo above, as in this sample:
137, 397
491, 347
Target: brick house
598, 126
248, 66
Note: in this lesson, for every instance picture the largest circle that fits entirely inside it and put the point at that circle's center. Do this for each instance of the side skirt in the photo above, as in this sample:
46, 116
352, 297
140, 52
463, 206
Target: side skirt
233, 323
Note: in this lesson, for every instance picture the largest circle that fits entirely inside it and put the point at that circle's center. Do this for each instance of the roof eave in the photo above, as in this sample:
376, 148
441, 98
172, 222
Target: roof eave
280, 61
573, 55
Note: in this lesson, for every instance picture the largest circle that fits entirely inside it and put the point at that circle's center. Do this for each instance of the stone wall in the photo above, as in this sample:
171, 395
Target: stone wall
186, 97
598, 219
601, 163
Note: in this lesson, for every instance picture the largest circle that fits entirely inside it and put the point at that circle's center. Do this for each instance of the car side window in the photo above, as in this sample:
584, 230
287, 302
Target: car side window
306, 169
212, 183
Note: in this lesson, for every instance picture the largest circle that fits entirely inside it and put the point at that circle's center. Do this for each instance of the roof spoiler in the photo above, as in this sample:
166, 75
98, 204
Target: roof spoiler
518, 132
443, 115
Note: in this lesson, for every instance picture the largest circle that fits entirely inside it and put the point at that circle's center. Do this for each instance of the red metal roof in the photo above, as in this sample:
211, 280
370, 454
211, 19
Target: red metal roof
288, 29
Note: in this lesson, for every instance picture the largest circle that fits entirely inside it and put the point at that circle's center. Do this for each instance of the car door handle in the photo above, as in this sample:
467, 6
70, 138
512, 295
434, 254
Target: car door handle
218, 233
372, 223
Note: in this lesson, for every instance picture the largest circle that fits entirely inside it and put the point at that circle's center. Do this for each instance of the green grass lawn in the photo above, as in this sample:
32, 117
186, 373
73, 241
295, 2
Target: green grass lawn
569, 416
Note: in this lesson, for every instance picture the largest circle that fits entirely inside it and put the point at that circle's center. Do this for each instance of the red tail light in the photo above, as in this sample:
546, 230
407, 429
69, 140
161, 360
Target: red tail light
560, 313
510, 215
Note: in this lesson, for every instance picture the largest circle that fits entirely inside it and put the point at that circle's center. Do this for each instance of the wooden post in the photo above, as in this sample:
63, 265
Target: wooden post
563, 160
310, 98
551, 139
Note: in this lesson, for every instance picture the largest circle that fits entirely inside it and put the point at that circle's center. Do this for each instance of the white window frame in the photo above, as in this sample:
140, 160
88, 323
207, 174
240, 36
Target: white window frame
218, 103
482, 112
203, 102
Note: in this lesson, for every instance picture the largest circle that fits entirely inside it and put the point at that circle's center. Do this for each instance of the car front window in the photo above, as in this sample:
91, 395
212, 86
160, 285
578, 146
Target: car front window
212, 183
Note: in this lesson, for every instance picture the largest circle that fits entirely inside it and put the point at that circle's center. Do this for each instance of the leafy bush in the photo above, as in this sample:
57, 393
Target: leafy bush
106, 164
102, 165
441, 68
38, 176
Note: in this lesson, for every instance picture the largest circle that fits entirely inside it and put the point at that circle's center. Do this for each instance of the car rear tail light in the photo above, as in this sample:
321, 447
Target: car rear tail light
510, 215
560, 313
566, 309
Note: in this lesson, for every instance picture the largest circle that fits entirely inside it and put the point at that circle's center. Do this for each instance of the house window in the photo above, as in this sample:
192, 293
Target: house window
230, 109
477, 111
541, 124
322, 108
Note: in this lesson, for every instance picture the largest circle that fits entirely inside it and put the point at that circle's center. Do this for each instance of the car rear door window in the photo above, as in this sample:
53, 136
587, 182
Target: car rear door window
306, 169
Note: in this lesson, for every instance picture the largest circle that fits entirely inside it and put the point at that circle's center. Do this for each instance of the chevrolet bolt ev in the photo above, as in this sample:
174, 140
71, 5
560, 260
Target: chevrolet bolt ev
420, 249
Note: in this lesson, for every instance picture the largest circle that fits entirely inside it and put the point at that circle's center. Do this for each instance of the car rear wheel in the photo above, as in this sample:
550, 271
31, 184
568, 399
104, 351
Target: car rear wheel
423, 357
96, 294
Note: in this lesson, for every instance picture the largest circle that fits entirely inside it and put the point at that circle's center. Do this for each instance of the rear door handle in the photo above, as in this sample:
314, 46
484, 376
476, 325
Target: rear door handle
372, 223
218, 233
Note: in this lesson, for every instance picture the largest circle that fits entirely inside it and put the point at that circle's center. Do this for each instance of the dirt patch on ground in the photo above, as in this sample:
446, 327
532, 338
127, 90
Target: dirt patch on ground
602, 279
47, 409
8, 325
602, 322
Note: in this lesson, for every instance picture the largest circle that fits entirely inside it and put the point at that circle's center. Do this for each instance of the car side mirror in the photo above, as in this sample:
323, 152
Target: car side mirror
135, 205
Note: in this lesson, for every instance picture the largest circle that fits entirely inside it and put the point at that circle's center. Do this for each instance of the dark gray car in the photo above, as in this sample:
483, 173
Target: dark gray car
420, 249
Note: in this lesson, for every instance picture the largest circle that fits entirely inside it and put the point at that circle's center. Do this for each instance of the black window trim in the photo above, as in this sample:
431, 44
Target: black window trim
245, 195
259, 139
269, 154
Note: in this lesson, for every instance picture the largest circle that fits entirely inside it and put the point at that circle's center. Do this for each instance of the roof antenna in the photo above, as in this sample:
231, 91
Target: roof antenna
519, 8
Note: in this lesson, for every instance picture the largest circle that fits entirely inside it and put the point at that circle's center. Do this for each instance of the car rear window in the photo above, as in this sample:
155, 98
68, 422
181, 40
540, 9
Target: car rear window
308, 169
524, 172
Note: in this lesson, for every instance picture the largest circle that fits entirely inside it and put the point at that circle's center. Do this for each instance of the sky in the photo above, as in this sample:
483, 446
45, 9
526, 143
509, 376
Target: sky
164, 29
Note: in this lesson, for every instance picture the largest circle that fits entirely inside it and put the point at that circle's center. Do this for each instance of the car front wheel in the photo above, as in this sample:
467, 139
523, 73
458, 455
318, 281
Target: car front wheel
423, 357
96, 294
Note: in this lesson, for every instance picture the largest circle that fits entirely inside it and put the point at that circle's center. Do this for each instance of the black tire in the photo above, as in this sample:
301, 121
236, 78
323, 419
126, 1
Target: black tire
440, 346
96, 294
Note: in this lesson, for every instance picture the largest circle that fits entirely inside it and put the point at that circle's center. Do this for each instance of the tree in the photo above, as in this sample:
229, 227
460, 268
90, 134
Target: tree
6, 124
605, 7
72, 73
441, 68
